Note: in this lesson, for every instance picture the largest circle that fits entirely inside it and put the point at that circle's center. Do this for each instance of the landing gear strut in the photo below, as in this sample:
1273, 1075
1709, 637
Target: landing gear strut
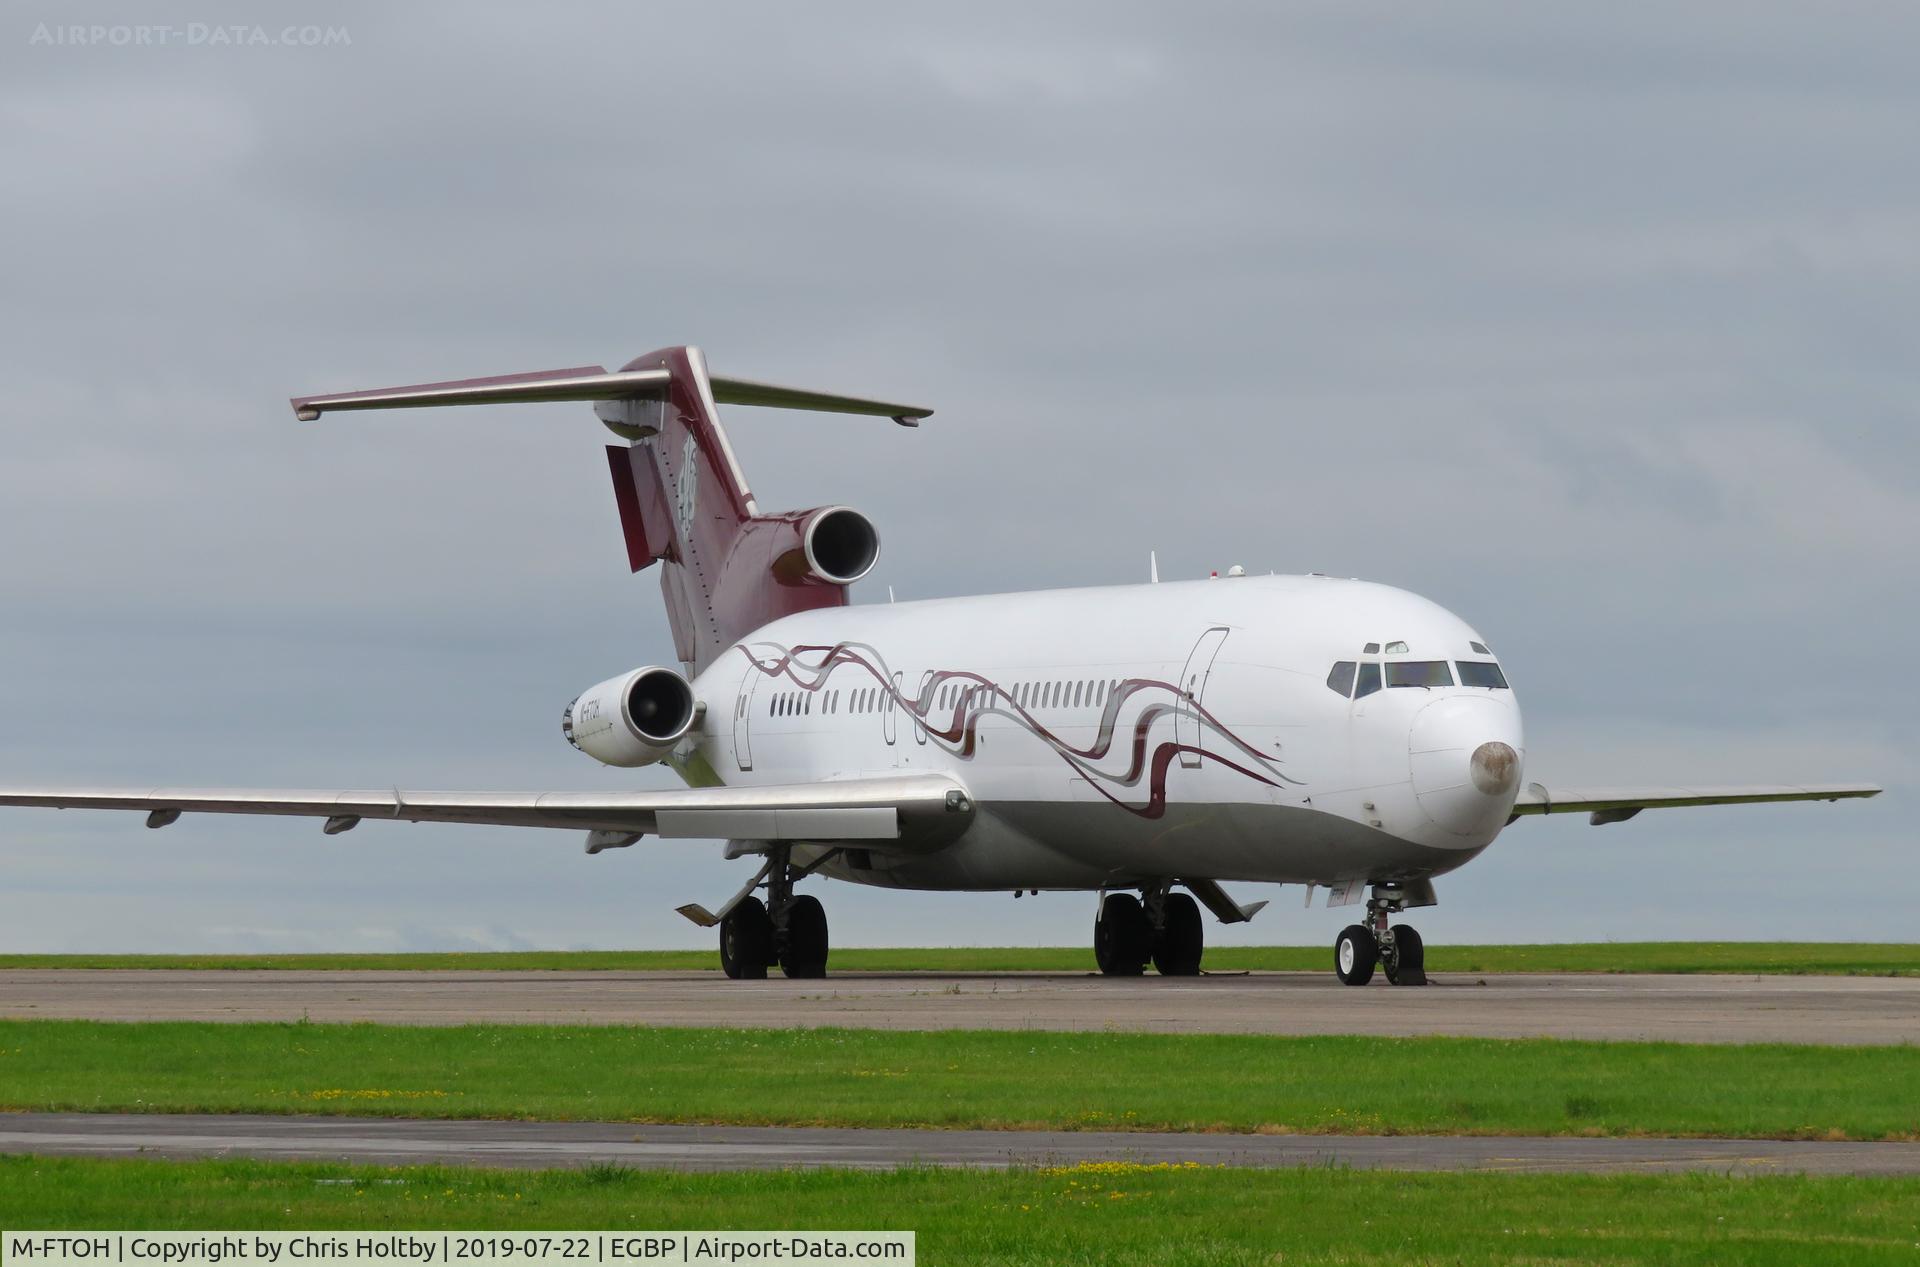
1396, 948
1160, 926
788, 928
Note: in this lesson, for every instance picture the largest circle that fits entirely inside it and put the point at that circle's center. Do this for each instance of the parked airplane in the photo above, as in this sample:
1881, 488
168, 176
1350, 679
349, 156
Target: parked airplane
1123, 740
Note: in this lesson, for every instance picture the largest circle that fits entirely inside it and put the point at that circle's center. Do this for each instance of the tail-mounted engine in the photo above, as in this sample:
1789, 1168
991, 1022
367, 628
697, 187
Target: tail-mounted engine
631, 720
841, 545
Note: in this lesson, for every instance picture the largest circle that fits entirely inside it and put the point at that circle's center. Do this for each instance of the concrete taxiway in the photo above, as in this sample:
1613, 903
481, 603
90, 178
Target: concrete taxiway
550, 1144
1709, 1009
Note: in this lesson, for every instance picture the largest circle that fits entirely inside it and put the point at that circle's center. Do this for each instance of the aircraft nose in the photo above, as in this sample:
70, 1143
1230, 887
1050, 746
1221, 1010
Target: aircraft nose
1465, 755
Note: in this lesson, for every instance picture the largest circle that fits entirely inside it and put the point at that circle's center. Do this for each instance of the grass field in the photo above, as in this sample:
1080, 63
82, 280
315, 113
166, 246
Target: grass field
1106, 1213
1823, 958
967, 1079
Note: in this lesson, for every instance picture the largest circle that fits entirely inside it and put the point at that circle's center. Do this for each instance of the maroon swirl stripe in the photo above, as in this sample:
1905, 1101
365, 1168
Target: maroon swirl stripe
960, 734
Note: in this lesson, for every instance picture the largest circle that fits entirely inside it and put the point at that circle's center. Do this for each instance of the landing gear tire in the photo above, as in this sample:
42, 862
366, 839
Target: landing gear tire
746, 941
804, 952
1122, 937
1408, 963
1355, 953
1180, 941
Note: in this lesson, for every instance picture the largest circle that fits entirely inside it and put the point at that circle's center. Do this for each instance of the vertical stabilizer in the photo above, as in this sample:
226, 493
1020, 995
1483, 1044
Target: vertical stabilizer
684, 503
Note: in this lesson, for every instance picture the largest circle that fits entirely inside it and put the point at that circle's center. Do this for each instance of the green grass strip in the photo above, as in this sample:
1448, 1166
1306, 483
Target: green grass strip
994, 1079
1106, 1214
1803, 958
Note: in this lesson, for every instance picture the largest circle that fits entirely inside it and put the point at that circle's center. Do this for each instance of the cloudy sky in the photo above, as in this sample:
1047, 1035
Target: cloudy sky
1596, 326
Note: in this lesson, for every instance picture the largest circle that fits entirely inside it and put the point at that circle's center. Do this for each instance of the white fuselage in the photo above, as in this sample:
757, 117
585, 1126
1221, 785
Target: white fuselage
1130, 734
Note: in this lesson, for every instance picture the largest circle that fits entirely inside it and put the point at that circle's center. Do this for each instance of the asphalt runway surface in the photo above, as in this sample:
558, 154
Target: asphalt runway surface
1706, 1009
541, 1145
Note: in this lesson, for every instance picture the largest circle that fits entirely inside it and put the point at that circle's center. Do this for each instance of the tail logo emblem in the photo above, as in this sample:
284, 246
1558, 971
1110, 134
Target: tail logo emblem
687, 488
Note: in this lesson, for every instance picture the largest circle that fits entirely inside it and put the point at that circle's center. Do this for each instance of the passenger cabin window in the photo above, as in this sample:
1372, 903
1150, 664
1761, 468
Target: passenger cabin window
1419, 673
1368, 681
1340, 681
1482, 673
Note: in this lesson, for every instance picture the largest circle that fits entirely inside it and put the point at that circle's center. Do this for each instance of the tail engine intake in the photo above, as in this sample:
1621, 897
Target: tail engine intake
841, 544
631, 720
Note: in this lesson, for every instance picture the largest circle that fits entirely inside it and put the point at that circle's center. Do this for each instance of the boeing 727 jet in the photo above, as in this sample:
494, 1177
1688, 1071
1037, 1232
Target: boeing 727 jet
1149, 743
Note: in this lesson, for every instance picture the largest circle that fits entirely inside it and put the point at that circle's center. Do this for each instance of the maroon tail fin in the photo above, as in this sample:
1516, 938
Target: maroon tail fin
726, 569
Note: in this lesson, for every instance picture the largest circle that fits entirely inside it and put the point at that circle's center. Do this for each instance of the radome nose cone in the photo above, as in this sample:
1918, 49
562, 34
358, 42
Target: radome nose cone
1496, 768
1465, 752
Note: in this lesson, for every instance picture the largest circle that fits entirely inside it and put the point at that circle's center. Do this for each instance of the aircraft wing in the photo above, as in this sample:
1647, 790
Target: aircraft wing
1618, 804
903, 812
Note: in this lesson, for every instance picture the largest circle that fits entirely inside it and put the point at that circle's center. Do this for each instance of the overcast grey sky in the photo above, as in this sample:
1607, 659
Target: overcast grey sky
1595, 325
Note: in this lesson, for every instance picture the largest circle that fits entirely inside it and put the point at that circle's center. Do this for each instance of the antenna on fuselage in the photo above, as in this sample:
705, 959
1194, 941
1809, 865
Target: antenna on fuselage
1153, 568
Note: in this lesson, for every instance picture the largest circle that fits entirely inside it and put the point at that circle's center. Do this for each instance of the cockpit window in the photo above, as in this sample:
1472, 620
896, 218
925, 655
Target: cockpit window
1340, 681
1481, 647
1419, 673
1482, 673
1369, 680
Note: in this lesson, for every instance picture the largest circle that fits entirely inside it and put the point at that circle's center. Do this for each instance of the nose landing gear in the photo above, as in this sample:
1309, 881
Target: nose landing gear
1396, 948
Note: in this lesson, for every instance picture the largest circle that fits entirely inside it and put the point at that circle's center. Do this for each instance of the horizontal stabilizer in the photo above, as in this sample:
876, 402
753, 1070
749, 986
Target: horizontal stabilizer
582, 382
594, 383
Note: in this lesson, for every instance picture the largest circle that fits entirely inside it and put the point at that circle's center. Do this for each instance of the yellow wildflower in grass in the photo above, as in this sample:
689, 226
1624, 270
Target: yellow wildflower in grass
1124, 1168
371, 1093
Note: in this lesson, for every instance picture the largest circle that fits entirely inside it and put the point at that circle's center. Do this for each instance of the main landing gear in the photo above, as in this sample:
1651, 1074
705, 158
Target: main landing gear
788, 928
1160, 926
1397, 948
